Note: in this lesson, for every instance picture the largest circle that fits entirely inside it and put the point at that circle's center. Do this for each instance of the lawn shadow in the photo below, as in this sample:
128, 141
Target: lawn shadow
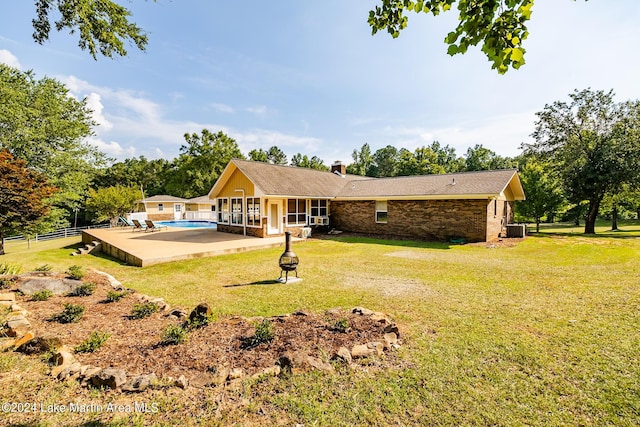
258, 283
74, 247
620, 234
110, 258
392, 241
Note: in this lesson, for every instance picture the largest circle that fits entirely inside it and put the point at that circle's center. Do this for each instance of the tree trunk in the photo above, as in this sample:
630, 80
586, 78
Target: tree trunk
1, 243
614, 218
590, 219
537, 225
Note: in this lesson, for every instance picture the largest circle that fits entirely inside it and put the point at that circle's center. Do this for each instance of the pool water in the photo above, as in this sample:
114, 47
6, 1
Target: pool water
188, 224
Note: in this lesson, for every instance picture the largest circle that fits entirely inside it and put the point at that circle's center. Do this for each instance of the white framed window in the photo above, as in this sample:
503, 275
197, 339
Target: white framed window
223, 210
253, 212
236, 211
319, 207
381, 211
297, 211
160, 207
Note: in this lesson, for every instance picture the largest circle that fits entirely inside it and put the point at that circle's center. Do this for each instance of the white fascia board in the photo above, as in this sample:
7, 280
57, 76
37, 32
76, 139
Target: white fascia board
423, 197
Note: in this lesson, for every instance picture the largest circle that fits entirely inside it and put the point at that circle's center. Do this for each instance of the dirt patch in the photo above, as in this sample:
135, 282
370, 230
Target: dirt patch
135, 345
504, 243
388, 287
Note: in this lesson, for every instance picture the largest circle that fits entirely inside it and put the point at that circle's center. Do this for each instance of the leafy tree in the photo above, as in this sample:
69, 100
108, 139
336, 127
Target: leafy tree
259, 155
200, 163
447, 158
112, 202
362, 161
624, 201
41, 123
593, 143
543, 191
423, 161
23, 196
274, 155
314, 162
140, 172
385, 162
480, 158
499, 26
277, 156
103, 26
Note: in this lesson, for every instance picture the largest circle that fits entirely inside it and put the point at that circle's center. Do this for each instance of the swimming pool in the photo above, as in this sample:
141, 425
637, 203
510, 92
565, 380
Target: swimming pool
189, 223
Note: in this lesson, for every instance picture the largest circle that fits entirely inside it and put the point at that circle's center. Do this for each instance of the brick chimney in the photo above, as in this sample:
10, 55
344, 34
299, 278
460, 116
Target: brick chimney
337, 166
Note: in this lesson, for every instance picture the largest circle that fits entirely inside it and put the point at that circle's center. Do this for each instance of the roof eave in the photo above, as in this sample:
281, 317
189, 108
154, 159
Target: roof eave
423, 197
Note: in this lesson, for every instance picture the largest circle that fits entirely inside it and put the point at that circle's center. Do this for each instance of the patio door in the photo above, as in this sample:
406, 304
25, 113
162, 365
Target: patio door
177, 211
275, 218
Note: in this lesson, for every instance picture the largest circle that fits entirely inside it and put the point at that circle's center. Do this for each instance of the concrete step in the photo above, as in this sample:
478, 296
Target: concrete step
95, 246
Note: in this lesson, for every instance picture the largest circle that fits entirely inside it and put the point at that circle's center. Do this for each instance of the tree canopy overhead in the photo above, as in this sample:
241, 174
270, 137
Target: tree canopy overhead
499, 26
103, 26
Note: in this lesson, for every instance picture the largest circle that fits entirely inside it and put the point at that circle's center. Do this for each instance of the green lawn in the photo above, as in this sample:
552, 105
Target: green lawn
543, 333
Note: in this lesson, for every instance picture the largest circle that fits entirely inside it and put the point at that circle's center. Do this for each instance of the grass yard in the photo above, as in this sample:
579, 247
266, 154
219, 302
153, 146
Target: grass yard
543, 333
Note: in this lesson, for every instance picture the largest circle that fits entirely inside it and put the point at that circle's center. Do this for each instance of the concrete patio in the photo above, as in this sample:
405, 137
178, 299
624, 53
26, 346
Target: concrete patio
173, 244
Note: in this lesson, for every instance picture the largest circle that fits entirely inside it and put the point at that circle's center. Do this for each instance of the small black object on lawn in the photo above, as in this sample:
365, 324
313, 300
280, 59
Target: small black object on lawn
288, 260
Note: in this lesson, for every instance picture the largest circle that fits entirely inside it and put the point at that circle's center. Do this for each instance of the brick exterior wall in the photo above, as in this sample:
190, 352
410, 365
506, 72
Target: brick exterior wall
499, 214
256, 231
438, 220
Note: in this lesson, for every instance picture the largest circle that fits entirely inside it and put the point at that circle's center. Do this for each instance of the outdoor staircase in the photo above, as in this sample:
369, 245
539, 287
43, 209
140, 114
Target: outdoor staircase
89, 248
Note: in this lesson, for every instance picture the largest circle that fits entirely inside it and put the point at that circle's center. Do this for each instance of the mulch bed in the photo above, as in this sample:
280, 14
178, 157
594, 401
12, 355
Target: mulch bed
135, 345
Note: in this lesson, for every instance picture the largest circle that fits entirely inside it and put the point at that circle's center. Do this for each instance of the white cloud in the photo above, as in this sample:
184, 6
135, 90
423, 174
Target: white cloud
223, 108
263, 138
124, 102
260, 110
501, 134
9, 58
128, 116
112, 148
95, 104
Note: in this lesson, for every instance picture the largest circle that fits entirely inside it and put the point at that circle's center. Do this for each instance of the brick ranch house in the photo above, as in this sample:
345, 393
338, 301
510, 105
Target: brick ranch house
261, 199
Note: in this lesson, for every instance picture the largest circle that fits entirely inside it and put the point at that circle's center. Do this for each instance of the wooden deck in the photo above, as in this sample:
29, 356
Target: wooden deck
173, 244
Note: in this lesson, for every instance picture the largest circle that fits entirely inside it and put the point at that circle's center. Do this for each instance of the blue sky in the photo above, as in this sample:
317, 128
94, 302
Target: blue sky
309, 77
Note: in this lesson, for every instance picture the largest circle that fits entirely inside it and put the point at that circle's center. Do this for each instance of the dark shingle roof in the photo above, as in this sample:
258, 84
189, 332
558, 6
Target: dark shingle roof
278, 180
289, 181
483, 183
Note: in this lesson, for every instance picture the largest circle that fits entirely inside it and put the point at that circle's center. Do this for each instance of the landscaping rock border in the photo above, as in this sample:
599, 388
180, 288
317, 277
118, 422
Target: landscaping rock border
67, 367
